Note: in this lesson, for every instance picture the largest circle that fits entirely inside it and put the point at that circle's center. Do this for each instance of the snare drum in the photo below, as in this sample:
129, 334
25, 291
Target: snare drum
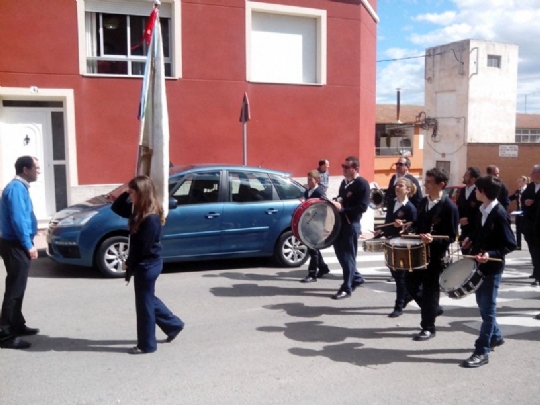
316, 223
373, 245
461, 278
406, 254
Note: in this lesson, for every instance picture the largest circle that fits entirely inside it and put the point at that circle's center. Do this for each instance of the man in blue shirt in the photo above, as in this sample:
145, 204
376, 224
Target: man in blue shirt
18, 226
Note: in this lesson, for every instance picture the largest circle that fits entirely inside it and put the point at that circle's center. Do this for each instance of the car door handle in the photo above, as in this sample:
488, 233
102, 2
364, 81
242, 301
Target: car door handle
211, 215
271, 211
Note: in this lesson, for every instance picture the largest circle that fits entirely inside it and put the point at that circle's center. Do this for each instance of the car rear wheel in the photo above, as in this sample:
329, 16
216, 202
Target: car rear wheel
290, 251
111, 254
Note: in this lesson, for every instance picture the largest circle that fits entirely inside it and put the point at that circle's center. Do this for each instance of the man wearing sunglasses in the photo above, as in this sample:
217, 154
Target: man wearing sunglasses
352, 202
402, 170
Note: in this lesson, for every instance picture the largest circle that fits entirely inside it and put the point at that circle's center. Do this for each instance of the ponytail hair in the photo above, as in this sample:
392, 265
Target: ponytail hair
410, 185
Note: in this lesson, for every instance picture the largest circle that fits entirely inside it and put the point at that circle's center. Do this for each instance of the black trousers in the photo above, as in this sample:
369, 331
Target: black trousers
519, 229
534, 247
17, 265
402, 295
423, 285
316, 263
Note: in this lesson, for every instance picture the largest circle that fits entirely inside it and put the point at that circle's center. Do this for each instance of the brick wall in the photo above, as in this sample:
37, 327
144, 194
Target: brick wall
483, 155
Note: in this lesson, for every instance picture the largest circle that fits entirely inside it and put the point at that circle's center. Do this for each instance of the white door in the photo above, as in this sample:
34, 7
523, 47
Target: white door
27, 131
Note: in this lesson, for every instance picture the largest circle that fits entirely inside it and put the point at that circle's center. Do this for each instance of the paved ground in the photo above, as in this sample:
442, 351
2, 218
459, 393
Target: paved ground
255, 335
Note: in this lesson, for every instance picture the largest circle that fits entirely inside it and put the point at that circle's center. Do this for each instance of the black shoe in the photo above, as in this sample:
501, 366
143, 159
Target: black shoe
537, 317
173, 335
440, 312
358, 284
496, 343
340, 295
14, 343
535, 283
26, 331
424, 335
321, 273
532, 276
476, 360
309, 279
395, 313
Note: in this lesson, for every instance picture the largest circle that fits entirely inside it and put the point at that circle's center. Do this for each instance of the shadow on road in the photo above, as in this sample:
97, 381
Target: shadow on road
44, 343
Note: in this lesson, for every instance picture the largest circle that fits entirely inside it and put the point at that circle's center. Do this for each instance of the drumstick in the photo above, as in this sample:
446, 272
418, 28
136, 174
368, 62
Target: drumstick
418, 236
491, 259
391, 223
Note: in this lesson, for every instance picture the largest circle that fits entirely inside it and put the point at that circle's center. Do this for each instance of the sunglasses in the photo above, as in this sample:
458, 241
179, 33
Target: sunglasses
400, 164
346, 167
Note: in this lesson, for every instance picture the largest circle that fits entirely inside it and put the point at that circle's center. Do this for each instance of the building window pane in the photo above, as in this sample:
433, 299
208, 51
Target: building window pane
60, 186
494, 61
58, 137
115, 46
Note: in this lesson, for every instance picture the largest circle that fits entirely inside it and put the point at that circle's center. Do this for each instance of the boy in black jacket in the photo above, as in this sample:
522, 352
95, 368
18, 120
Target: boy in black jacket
316, 262
493, 238
437, 215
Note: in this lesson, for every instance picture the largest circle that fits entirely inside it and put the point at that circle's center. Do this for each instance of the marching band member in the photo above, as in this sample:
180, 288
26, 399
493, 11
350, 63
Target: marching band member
437, 216
493, 238
400, 211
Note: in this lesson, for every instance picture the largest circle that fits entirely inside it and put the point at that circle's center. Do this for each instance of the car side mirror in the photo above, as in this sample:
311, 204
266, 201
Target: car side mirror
173, 203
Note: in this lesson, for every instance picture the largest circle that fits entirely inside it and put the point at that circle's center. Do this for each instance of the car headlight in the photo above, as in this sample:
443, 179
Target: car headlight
77, 219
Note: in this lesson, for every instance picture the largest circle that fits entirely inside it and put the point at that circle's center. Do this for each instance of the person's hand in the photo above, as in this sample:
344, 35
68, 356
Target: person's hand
33, 253
398, 223
466, 244
482, 257
528, 202
337, 205
463, 221
426, 238
377, 233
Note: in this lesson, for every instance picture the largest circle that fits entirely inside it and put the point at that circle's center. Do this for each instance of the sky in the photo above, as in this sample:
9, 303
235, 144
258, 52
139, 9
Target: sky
408, 27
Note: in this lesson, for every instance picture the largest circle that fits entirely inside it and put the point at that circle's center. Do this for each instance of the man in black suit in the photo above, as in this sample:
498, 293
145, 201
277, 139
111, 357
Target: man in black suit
317, 267
492, 239
352, 202
467, 203
437, 215
530, 202
403, 165
503, 197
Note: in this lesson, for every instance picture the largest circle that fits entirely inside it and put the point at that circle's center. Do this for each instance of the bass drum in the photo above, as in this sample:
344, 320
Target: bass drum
461, 278
316, 222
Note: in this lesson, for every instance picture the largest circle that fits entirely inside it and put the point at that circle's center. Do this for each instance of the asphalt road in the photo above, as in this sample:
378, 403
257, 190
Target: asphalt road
255, 335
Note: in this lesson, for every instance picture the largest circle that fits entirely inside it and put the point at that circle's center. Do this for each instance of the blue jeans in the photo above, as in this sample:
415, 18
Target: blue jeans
486, 298
346, 246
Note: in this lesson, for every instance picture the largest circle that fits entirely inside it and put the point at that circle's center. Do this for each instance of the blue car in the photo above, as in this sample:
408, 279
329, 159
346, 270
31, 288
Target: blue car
215, 212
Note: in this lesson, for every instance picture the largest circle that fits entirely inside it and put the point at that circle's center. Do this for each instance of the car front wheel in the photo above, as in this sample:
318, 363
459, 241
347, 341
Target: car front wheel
290, 251
111, 254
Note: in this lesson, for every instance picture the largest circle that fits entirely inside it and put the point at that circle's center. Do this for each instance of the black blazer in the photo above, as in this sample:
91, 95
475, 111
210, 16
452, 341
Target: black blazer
354, 199
468, 208
517, 198
317, 193
406, 212
530, 212
442, 219
495, 237
145, 244
503, 196
390, 193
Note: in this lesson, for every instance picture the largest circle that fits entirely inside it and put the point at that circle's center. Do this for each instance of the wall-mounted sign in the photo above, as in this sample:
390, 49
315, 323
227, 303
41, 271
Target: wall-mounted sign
508, 151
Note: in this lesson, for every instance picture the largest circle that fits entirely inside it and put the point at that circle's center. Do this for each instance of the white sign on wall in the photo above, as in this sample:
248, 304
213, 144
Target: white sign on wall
508, 150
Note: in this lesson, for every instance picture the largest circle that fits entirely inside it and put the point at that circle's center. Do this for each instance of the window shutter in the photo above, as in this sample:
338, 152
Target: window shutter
127, 7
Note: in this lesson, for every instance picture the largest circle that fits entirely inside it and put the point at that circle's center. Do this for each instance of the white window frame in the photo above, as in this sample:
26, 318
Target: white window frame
317, 14
175, 33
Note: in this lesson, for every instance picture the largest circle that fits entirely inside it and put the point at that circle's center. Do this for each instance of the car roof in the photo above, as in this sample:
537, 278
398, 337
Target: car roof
182, 169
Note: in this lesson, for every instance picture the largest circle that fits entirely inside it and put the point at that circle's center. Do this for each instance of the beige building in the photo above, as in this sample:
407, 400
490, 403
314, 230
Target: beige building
470, 98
